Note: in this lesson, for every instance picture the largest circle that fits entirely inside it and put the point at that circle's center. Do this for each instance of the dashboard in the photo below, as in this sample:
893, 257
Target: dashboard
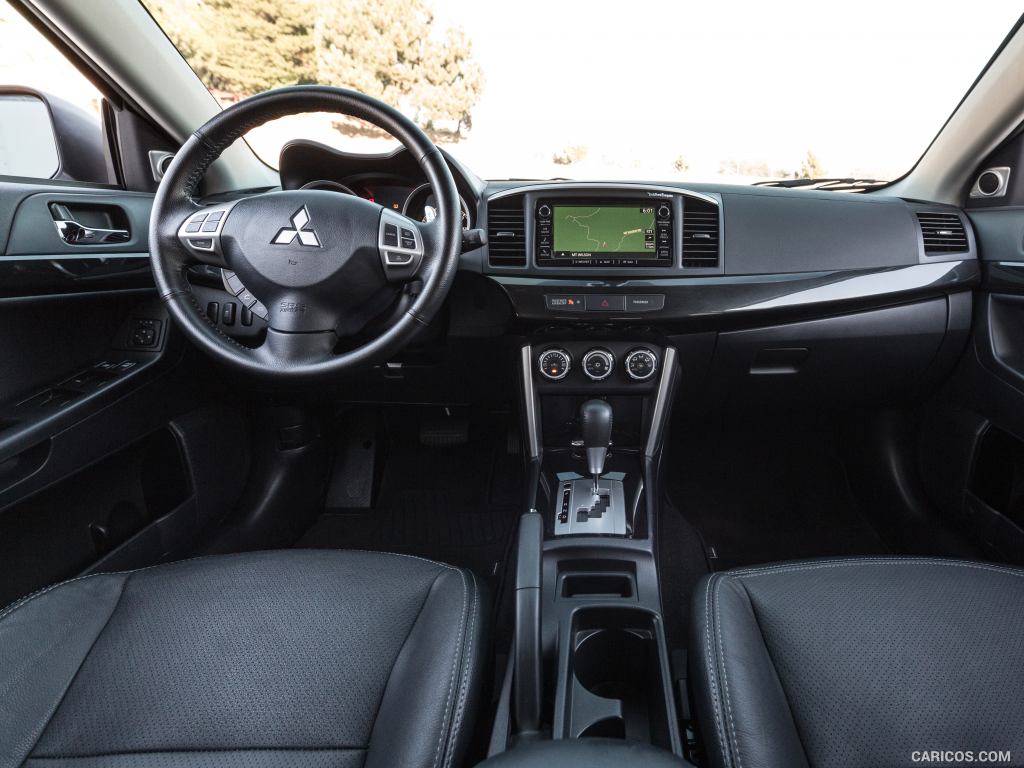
764, 291
682, 255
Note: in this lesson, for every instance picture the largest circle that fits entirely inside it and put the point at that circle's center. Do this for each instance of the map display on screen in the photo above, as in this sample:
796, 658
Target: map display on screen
586, 230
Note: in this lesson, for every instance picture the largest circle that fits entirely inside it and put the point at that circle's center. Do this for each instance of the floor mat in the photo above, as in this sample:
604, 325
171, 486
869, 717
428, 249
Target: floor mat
456, 504
764, 495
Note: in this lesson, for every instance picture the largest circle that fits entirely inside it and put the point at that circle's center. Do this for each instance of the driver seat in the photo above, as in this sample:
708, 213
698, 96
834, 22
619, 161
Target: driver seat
291, 658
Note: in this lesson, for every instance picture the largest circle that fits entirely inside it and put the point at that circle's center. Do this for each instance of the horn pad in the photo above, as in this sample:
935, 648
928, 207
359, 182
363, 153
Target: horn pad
308, 254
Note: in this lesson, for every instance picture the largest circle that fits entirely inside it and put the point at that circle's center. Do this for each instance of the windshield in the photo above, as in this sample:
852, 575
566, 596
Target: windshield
729, 91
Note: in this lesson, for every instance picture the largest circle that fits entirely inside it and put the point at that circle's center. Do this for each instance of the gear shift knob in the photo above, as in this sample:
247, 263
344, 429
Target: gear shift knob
596, 421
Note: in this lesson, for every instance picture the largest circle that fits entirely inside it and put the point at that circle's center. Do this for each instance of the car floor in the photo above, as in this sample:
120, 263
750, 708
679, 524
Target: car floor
448, 489
740, 495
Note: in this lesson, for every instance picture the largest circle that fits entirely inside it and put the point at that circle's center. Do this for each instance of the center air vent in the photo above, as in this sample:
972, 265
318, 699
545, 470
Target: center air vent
942, 233
700, 233
506, 232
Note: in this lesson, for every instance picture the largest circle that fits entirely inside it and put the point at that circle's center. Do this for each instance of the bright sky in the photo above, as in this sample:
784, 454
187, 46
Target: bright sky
864, 85
640, 83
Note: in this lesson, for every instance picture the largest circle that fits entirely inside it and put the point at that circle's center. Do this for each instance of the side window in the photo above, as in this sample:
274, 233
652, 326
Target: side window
50, 126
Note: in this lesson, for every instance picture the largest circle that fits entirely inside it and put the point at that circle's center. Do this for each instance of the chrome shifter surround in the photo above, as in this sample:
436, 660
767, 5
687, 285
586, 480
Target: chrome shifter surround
576, 495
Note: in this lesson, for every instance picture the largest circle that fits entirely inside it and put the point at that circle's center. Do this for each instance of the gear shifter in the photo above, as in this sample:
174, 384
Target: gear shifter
596, 421
596, 505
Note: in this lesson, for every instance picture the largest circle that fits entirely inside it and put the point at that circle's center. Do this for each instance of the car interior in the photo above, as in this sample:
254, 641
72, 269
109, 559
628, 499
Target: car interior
365, 460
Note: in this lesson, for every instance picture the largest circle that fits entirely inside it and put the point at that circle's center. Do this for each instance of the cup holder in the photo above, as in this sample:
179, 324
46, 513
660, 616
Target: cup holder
612, 663
617, 685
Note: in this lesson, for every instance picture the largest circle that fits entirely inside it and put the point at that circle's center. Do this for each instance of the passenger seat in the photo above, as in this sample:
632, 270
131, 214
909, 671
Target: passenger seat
860, 662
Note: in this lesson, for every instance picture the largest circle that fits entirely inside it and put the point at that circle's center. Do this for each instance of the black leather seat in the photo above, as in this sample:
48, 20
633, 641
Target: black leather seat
295, 658
859, 663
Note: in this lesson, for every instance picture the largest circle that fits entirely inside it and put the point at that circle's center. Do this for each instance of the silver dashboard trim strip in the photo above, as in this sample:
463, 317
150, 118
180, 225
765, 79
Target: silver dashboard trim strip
530, 402
662, 406
860, 286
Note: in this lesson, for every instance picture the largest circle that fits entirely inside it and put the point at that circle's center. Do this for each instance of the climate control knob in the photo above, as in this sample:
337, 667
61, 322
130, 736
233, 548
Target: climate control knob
641, 364
554, 364
598, 364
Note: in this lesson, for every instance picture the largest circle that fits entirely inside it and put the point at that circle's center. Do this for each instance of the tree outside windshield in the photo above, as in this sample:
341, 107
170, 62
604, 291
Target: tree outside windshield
729, 91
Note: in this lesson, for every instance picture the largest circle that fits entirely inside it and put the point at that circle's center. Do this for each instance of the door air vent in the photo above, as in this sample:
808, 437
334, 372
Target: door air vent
942, 233
506, 232
700, 233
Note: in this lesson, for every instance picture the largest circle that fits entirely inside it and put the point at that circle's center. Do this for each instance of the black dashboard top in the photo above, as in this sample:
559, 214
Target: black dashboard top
669, 251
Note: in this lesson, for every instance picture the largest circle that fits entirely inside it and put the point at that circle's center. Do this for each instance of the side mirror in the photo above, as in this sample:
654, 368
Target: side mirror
44, 137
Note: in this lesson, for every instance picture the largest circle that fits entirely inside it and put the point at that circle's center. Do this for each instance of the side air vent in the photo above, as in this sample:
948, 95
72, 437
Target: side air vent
700, 233
942, 233
506, 232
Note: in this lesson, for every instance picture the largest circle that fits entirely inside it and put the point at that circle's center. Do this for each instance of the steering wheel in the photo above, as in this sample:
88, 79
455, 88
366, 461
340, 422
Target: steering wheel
322, 264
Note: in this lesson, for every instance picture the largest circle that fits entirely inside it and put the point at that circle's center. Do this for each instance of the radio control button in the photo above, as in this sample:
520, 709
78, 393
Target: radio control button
544, 211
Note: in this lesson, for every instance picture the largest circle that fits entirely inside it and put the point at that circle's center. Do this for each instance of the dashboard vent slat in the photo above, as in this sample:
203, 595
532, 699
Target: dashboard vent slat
942, 233
506, 232
700, 233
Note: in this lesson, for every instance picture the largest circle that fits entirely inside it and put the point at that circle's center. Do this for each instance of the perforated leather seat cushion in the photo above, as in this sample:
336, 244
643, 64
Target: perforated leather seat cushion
851, 663
274, 658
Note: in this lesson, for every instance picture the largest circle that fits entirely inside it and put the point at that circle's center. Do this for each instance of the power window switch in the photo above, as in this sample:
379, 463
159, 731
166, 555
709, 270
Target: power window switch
228, 315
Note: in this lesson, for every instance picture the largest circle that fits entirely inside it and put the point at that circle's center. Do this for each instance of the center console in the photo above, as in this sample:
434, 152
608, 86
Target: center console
589, 659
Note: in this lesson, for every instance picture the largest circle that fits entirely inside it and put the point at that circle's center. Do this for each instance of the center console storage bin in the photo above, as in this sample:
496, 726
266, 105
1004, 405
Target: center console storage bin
614, 679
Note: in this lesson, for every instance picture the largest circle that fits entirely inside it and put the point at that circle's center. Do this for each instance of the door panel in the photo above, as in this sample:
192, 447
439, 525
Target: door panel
98, 398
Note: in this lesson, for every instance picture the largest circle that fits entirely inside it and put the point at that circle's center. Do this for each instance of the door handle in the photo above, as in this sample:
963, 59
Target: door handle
73, 233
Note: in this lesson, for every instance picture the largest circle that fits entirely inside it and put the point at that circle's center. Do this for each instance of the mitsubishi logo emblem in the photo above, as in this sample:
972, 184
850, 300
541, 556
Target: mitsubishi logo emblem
287, 235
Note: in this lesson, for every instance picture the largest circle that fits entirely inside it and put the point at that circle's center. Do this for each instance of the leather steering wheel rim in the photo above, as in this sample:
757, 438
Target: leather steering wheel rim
289, 355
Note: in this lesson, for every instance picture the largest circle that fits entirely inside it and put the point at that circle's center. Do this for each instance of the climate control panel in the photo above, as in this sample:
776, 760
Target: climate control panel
607, 367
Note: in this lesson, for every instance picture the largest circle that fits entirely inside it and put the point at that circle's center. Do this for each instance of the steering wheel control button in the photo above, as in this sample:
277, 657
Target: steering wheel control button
247, 298
554, 364
641, 364
400, 245
598, 364
233, 284
646, 303
208, 225
565, 302
602, 302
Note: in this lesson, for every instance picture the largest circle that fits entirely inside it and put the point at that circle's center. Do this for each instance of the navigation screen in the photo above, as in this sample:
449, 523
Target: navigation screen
585, 231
